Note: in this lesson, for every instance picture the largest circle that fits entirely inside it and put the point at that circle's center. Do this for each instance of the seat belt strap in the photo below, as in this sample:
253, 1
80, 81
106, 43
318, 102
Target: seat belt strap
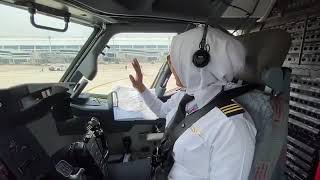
188, 121
162, 160
174, 132
180, 113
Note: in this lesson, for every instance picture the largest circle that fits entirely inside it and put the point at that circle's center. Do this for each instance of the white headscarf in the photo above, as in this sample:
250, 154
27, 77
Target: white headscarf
227, 59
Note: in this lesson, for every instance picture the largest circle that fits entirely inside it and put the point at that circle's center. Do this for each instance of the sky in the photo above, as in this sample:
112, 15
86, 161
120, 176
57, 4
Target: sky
16, 22
17, 29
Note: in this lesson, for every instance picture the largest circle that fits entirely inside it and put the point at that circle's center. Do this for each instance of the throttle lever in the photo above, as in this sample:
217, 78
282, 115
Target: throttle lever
65, 169
79, 175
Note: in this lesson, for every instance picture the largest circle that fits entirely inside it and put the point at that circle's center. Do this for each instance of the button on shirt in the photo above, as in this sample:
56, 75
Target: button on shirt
216, 147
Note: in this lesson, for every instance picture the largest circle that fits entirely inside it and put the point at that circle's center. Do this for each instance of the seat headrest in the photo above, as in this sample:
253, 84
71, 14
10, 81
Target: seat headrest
266, 50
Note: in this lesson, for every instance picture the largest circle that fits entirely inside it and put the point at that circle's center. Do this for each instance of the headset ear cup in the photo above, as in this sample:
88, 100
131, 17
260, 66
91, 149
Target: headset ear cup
201, 58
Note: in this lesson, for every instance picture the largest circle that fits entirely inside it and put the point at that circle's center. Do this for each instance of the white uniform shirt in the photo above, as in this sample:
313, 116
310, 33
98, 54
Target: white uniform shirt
216, 147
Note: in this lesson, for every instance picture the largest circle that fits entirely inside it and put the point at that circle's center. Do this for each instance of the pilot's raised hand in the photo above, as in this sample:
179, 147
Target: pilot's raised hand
137, 82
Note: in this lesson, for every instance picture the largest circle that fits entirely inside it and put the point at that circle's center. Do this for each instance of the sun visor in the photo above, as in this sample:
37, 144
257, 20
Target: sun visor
266, 51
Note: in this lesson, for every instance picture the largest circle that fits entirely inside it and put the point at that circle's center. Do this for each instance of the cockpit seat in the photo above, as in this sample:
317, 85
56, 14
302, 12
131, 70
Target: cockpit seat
266, 52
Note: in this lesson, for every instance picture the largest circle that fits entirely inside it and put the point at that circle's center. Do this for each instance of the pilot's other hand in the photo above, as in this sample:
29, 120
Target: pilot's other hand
137, 82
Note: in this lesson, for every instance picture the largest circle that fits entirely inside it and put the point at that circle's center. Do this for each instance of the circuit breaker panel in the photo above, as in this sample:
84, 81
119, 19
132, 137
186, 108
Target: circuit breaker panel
301, 18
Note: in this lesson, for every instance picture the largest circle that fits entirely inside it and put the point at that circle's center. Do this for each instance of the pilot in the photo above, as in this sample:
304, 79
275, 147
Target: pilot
221, 144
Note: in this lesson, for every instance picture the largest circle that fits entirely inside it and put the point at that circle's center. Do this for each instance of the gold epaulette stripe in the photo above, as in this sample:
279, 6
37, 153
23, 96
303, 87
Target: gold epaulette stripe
230, 105
230, 108
233, 110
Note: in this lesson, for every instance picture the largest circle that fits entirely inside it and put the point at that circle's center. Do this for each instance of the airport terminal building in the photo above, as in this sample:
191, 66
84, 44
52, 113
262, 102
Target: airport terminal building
44, 50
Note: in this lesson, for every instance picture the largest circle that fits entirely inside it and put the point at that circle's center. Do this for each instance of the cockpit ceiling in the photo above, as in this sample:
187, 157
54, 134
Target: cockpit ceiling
184, 9
115, 11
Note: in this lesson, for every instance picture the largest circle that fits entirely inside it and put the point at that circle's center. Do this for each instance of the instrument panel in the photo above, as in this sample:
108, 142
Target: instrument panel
21, 156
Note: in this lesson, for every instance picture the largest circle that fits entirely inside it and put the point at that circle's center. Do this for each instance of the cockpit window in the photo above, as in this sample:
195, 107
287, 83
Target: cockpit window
31, 55
114, 65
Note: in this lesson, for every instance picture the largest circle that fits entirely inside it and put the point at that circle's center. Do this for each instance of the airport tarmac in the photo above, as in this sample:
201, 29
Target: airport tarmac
108, 76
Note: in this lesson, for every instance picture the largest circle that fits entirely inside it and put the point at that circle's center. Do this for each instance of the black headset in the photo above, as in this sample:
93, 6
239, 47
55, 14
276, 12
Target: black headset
202, 57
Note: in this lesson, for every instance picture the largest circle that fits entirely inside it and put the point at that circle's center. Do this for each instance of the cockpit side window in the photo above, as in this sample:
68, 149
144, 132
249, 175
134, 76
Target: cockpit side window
31, 55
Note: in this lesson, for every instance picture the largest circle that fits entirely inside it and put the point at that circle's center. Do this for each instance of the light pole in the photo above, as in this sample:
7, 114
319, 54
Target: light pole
49, 44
